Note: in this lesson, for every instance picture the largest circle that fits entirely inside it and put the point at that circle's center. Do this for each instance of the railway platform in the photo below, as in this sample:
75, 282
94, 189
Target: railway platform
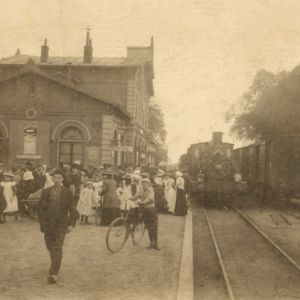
88, 270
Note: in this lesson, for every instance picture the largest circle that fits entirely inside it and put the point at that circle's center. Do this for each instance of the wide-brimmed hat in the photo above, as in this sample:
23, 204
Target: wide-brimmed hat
137, 172
8, 174
158, 175
146, 180
145, 175
108, 173
127, 177
179, 174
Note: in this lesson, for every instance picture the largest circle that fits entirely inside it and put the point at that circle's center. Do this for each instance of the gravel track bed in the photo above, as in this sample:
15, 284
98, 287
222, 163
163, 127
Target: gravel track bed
255, 270
208, 280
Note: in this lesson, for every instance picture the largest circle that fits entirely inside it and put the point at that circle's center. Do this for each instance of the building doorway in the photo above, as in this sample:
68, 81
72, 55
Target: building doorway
71, 146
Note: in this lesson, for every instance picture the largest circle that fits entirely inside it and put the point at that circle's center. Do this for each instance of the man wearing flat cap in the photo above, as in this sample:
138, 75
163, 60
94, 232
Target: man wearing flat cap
56, 213
145, 198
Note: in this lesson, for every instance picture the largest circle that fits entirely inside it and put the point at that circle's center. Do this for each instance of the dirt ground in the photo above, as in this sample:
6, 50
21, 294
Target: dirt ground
88, 270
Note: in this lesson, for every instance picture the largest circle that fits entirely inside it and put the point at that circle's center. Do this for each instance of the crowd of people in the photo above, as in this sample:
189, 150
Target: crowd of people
103, 192
63, 196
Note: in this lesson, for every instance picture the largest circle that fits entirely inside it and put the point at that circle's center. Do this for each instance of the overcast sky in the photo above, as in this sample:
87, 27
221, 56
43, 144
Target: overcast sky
206, 51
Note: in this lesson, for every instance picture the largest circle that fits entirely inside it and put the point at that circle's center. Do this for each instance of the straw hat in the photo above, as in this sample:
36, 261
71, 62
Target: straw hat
178, 174
146, 180
8, 174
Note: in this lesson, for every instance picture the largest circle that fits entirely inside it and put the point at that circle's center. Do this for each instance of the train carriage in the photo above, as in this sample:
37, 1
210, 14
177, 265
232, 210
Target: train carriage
272, 167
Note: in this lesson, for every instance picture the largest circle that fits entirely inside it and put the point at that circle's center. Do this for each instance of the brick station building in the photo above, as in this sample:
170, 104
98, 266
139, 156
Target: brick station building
85, 110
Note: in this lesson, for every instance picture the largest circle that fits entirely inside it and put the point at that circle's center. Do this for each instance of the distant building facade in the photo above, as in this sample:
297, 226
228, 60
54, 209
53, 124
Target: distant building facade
84, 110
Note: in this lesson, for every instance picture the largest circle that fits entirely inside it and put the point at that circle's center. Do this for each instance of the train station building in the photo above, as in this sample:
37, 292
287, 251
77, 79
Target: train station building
85, 110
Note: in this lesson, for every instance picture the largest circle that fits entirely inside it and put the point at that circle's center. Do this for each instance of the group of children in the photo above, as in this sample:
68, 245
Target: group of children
90, 198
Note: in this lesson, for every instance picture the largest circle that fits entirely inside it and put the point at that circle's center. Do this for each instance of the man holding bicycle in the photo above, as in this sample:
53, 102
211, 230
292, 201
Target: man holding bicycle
146, 200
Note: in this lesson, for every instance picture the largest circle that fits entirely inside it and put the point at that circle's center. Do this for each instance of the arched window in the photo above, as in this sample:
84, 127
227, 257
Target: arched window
71, 146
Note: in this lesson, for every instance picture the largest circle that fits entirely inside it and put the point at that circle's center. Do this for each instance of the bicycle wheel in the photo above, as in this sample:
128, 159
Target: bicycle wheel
117, 235
137, 233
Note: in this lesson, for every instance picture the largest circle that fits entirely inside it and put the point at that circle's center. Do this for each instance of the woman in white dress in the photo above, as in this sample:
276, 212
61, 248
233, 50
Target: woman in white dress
181, 203
9, 193
170, 193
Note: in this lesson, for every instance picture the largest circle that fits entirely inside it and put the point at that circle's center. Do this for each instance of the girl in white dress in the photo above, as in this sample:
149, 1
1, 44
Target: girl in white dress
98, 187
97, 205
85, 203
170, 193
9, 192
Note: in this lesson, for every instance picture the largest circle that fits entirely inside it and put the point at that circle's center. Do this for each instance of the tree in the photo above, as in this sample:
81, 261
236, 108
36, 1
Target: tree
269, 108
157, 131
156, 123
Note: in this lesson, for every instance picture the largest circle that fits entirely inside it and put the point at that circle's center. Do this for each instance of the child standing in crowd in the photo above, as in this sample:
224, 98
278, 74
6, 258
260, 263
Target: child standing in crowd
98, 184
98, 188
9, 192
120, 193
85, 203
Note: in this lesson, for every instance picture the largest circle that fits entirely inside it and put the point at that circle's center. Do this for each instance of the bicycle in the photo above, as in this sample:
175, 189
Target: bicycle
121, 228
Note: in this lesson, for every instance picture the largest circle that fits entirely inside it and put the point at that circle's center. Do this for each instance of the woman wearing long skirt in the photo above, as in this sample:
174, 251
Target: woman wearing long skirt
170, 193
111, 201
181, 205
9, 192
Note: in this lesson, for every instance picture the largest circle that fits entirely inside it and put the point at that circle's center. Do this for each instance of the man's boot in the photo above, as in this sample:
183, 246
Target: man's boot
151, 240
155, 246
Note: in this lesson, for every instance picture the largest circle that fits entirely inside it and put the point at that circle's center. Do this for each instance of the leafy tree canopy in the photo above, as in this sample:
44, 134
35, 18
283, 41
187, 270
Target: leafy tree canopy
156, 123
157, 131
270, 107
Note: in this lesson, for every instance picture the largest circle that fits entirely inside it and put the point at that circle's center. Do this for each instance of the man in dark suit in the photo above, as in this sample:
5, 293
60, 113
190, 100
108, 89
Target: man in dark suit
56, 213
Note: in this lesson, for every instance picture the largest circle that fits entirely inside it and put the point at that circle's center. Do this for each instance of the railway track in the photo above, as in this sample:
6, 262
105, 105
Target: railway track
253, 266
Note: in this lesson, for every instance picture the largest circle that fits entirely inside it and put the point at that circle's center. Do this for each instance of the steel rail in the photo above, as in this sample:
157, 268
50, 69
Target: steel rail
226, 279
268, 239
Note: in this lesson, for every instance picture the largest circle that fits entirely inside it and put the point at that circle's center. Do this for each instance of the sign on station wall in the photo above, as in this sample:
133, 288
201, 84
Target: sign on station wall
30, 138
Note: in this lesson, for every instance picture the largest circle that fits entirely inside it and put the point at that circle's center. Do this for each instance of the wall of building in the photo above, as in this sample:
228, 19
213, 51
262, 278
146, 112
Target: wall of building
54, 108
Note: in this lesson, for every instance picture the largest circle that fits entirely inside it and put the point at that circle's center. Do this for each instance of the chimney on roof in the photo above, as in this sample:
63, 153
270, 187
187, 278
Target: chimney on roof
88, 49
217, 137
18, 52
44, 52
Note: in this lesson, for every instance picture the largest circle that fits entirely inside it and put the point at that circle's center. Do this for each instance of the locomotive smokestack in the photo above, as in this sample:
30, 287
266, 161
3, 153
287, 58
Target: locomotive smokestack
44, 52
217, 137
